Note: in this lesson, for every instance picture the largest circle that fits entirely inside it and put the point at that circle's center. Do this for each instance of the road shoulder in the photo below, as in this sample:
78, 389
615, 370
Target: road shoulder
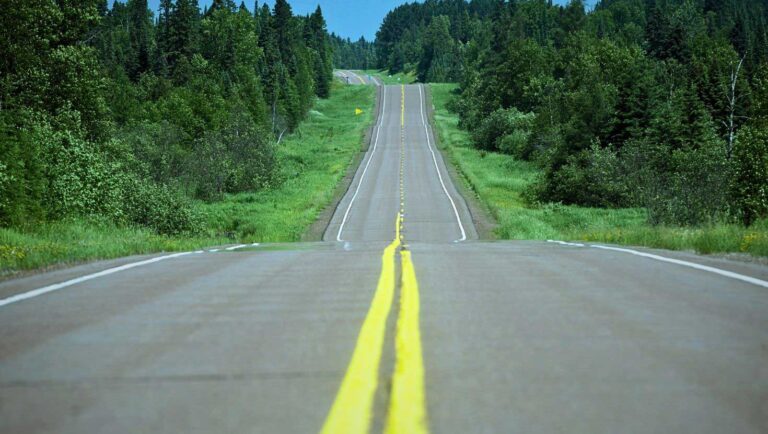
319, 227
481, 215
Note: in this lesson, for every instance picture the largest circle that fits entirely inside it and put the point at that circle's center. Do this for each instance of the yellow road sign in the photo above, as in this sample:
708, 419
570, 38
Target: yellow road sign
358, 112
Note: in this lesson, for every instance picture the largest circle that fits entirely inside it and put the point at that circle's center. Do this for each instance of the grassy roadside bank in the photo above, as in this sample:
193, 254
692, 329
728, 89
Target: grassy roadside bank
312, 162
499, 181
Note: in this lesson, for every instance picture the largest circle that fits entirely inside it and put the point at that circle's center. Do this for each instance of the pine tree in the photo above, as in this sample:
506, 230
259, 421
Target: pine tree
183, 32
285, 34
141, 39
317, 40
164, 43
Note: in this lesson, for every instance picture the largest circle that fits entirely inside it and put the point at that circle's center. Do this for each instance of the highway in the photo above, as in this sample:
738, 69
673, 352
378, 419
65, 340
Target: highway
355, 78
400, 321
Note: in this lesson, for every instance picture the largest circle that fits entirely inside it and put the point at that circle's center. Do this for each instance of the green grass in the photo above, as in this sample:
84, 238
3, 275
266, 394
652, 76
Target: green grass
77, 240
387, 78
313, 160
499, 180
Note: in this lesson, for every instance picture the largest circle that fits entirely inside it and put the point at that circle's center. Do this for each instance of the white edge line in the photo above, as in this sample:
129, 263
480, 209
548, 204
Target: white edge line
437, 167
57, 286
365, 169
718, 271
239, 246
563, 243
714, 270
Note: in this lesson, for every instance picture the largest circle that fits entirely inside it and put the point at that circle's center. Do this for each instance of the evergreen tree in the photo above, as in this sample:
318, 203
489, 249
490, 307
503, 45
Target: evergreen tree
317, 40
141, 38
106, 113
183, 32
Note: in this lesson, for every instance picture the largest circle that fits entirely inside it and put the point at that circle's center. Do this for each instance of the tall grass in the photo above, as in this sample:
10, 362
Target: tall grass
77, 240
499, 180
312, 162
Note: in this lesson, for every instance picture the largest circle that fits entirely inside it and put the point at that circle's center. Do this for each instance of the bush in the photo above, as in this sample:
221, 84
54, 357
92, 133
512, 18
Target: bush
679, 187
80, 180
6, 180
78, 85
505, 130
64, 175
750, 181
21, 180
593, 177
159, 208
162, 148
236, 159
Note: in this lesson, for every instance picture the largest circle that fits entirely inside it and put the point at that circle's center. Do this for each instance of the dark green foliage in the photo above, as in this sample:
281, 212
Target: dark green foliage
22, 184
750, 181
505, 130
239, 157
677, 186
636, 103
108, 114
429, 37
318, 41
347, 54
440, 60
160, 208
589, 177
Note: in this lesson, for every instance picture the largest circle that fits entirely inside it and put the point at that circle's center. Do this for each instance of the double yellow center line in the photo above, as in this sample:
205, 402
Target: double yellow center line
352, 410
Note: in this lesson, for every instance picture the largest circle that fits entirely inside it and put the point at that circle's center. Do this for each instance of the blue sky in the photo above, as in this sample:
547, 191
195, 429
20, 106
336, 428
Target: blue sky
348, 18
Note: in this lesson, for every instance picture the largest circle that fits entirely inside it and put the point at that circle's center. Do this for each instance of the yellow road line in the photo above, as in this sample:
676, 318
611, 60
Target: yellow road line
407, 412
357, 76
402, 161
402, 105
407, 404
352, 409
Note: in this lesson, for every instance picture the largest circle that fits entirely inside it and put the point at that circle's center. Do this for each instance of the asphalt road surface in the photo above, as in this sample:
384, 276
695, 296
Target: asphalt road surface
400, 321
355, 78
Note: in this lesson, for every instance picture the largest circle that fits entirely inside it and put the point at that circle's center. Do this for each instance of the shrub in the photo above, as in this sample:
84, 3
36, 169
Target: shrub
505, 130
750, 181
159, 208
83, 179
235, 159
593, 177
6, 180
161, 147
80, 180
21, 179
686, 186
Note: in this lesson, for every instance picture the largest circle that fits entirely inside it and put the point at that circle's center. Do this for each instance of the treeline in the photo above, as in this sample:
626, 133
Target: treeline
654, 103
431, 38
114, 114
348, 54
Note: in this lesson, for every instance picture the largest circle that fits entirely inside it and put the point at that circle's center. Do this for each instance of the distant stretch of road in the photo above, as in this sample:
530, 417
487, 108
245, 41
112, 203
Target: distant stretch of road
400, 321
356, 78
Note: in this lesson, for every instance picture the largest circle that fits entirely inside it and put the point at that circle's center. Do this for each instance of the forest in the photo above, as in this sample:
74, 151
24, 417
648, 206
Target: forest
659, 104
115, 114
175, 121
348, 54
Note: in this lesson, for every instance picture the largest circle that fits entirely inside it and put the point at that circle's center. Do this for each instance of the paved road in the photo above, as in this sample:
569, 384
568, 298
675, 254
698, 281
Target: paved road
356, 78
400, 324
